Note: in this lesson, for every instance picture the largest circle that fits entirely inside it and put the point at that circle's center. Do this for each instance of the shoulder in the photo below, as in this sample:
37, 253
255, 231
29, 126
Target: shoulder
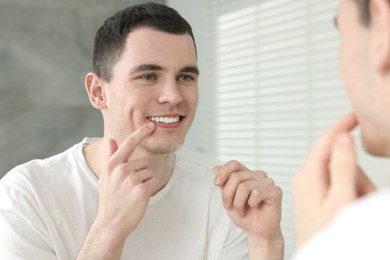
360, 231
38, 175
369, 213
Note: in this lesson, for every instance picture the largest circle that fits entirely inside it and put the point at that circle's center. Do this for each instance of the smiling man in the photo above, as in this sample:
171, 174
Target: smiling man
116, 197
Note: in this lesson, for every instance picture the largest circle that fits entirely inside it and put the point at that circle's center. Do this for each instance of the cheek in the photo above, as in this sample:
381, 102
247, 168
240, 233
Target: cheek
195, 102
345, 57
128, 109
344, 70
192, 97
349, 69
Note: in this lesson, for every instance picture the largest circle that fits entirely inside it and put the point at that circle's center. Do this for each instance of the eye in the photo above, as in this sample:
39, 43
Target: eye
148, 77
186, 77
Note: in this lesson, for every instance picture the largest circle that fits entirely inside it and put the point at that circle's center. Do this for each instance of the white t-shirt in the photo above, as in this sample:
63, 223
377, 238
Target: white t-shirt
361, 231
47, 207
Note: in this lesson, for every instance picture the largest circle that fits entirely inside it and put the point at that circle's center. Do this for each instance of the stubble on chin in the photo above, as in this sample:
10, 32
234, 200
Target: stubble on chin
162, 147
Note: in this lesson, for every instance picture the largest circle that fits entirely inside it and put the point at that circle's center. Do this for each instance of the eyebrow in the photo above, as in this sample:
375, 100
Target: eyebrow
155, 67
190, 69
145, 67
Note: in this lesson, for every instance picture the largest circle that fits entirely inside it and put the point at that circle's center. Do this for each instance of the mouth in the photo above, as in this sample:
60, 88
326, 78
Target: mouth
166, 119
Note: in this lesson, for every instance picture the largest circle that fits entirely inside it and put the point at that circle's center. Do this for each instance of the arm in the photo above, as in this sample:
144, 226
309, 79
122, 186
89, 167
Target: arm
328, 180
260, 248
125, 188
253, 203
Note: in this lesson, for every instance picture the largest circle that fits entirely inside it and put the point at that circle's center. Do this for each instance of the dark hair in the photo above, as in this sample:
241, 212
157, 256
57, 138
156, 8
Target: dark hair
364, 9
111, 37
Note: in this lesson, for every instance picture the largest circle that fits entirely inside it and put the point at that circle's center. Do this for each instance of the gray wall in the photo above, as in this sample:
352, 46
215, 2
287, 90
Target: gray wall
45, 52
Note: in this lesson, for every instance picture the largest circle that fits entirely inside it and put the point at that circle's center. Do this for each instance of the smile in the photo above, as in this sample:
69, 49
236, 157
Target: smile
165, 120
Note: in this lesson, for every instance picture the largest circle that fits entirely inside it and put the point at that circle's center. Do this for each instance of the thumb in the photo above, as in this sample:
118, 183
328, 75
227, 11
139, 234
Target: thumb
343, 168
217, 179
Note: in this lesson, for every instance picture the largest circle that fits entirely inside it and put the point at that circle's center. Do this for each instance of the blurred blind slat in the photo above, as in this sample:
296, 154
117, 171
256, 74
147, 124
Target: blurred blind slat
275, 85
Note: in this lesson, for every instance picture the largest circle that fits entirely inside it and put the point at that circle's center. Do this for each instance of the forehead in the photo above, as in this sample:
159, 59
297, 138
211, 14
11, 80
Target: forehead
148, 45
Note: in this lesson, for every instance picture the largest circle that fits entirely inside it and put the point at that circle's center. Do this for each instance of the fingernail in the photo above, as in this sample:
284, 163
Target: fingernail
217, 181
151, 125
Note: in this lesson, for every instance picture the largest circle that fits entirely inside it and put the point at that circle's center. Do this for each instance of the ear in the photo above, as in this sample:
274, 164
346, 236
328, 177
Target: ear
95, 90
380, 26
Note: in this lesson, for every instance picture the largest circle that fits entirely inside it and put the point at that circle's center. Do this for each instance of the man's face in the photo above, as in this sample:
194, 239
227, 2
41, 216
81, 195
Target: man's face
359, 73
156, 79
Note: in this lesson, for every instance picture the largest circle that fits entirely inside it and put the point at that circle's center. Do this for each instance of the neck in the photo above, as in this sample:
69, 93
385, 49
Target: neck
96, 157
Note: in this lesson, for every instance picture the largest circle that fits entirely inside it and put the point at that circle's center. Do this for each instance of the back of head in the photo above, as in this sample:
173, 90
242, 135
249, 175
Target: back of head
111, 37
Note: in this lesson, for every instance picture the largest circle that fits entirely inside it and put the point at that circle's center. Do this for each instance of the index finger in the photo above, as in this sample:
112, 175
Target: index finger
128, 146
320, 154
223, 172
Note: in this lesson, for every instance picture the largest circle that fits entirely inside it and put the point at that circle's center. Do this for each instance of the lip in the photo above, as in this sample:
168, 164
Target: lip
168, 126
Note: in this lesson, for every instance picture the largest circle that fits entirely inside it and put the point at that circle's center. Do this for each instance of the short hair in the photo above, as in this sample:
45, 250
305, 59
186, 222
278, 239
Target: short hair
364, 9
111, 37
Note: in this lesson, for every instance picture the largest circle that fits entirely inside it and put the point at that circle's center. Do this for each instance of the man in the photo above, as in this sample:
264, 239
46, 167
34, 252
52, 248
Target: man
338, 212
117, 197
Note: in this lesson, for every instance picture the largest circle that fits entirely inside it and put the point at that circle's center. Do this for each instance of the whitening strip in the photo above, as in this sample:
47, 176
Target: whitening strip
192, 160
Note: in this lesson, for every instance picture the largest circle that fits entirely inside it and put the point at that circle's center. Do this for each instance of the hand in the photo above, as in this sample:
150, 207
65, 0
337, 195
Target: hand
125, 187
251, 199
328, 180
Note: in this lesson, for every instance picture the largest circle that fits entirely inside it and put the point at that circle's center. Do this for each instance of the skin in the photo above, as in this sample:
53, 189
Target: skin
253, 203
157, 75
331, 178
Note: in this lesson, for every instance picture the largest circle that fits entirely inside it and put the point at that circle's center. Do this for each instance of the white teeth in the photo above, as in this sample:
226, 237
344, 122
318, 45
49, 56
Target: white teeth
165, 120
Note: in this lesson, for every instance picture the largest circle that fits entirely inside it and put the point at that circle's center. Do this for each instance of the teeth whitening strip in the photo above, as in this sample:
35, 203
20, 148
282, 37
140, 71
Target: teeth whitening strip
192, 160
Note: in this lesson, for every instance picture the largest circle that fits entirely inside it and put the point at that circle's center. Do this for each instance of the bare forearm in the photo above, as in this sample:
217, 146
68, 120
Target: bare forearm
260, 249
102, 244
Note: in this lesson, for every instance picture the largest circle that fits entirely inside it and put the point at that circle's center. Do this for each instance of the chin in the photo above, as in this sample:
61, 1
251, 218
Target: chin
374, 145
162, 147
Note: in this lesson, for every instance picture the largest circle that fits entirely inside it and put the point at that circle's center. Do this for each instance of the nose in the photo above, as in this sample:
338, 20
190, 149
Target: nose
170, 93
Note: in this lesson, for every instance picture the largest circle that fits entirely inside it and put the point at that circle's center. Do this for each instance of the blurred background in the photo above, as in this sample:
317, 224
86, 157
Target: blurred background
269, 82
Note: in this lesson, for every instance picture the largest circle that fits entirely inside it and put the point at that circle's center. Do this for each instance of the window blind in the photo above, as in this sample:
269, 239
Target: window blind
274, 85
